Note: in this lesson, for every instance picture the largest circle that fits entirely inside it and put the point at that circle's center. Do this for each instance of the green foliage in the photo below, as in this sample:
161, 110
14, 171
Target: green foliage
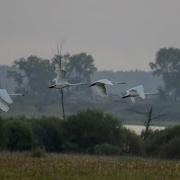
48, 133
133, 143
162, 143
80, 67
32, 76
18, 135
171, 149
34, 73
70, 147
167, 65
89, 131
88, 128
107, 149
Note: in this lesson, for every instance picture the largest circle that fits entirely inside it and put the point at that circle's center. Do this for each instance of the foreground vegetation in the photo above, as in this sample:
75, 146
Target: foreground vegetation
21, 166
91, 131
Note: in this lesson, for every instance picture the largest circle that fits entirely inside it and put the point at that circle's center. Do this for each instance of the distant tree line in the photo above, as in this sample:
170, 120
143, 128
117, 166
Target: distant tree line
89, 131
33, 74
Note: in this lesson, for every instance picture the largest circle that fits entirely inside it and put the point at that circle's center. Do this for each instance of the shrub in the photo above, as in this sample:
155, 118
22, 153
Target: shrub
18, 135
107, 149
171, 150
48, 133
88, 128
70, 147
155, 142
133, 144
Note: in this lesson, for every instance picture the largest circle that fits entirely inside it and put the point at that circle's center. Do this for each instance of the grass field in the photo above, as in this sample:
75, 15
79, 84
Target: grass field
21, 166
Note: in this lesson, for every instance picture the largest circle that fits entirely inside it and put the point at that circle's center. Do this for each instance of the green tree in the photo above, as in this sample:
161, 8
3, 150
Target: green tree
48, 133
34, 72
80, 67
132, 143
171, 150
167, 65
107, 149
18, 135
32, 76
89, 128
158, 140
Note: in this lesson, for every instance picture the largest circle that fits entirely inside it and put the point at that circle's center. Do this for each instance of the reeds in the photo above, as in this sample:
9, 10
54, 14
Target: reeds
22, 166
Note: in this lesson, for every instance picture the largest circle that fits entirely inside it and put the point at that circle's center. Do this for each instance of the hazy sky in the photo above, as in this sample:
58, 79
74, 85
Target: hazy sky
119, 34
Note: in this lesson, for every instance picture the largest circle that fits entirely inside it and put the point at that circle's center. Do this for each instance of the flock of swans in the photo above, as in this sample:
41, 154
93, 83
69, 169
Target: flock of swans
101, 86
60, 83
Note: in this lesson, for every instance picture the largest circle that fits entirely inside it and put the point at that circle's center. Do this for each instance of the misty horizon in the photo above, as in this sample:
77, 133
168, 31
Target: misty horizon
120, 35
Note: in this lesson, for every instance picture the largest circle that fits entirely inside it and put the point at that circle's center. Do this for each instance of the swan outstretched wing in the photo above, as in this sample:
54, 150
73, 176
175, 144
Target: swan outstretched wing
101, 86
5, 96
140, 91
137, 91
3, 106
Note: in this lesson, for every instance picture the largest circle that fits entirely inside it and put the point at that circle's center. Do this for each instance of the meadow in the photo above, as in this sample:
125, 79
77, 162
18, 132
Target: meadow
23, 166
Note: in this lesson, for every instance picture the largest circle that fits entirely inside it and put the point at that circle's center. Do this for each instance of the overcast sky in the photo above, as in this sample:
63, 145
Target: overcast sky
119, 34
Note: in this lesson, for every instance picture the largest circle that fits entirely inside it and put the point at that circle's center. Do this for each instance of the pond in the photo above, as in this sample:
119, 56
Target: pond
138, 128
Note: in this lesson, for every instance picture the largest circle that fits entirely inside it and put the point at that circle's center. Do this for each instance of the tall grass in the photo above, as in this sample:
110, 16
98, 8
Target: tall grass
22, 166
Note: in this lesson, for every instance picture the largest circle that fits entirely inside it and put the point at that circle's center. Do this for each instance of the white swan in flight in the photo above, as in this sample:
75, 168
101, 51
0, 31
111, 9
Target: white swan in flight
5, 99
137, 91
60, 82
101, 85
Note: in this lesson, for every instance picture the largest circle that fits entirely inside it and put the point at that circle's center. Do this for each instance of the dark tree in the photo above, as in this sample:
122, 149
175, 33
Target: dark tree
80, 67
167, 65
32, 76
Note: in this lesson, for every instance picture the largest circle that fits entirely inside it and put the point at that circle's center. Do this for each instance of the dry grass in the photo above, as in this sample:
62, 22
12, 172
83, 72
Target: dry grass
21, 166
